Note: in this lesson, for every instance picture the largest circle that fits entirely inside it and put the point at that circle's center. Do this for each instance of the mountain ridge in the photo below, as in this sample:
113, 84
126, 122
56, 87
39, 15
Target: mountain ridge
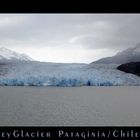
128, 55
10, 55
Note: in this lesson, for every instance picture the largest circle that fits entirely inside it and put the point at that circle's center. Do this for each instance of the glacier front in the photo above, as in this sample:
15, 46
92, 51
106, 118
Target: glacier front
64, 75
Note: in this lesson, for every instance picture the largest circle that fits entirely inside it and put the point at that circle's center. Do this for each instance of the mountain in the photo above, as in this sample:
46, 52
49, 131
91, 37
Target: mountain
131, 67
126, 56
9, 55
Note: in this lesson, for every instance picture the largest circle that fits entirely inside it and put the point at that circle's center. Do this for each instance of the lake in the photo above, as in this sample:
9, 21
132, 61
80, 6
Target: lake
69, 106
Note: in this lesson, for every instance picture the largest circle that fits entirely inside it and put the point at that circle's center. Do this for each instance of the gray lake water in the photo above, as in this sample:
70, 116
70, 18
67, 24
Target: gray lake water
69, 106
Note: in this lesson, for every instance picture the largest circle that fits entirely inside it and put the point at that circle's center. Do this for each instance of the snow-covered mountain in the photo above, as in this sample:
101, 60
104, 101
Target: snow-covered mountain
128, 55
9, 55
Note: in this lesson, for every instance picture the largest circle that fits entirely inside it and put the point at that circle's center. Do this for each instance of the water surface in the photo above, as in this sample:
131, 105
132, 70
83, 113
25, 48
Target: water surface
74, 106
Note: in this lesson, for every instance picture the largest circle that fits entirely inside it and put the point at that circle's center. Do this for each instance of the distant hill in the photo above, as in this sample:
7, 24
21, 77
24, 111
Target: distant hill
128, 55
9, 55
132, 67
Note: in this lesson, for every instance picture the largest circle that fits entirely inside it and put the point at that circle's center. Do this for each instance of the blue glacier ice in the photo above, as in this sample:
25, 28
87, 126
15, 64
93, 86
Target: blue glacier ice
64, 75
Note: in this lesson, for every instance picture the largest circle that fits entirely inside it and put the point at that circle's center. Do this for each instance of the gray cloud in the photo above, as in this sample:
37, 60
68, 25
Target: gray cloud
90, 31
110, 31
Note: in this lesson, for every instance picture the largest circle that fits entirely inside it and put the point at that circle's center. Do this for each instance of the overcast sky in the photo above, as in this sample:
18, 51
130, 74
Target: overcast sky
69, 37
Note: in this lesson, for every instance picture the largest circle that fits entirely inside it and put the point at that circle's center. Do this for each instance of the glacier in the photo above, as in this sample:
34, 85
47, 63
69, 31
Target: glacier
64, 75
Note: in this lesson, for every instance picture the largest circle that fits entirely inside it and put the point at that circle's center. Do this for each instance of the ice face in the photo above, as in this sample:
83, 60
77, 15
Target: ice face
64, 75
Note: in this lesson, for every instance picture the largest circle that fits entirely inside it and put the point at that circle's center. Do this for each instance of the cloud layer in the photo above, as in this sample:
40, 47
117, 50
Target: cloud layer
69, 37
